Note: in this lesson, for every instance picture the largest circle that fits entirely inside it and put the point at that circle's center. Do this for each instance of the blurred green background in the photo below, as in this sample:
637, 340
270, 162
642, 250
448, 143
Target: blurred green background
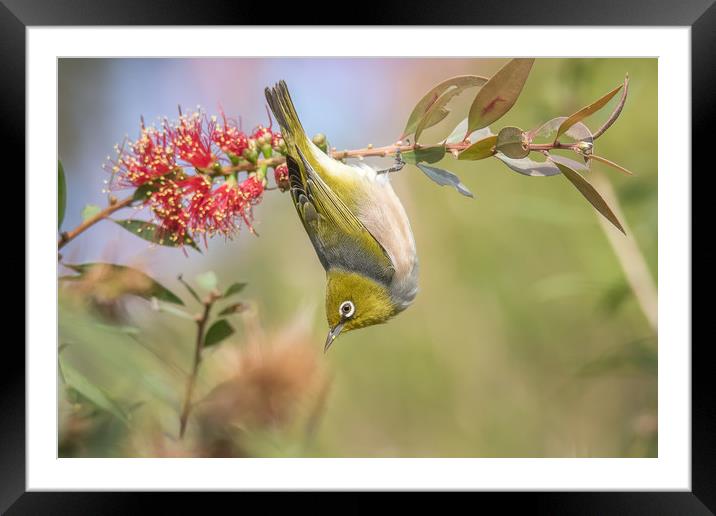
524, 341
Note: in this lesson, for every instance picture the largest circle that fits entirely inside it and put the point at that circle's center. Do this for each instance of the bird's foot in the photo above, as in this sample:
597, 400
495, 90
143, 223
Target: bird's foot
399, 164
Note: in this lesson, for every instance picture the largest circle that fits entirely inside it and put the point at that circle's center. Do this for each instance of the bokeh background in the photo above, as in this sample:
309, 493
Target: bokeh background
524, 341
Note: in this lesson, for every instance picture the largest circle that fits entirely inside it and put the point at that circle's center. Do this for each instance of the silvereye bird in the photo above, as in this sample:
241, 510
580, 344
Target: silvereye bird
357, 225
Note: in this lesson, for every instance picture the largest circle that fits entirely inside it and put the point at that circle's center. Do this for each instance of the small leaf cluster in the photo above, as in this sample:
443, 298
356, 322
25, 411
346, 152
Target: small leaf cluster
473, 140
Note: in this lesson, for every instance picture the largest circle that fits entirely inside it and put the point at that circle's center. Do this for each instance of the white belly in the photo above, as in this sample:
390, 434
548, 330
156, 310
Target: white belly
384, 216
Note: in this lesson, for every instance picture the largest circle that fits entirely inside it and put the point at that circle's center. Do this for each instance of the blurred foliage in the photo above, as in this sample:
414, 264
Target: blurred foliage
524, 341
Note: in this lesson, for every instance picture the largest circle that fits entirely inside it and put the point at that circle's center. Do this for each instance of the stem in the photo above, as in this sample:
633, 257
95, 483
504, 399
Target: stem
200, 325
67, 236
263, 164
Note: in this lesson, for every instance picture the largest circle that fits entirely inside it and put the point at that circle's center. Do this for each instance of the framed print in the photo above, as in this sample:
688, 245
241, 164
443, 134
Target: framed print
363, 258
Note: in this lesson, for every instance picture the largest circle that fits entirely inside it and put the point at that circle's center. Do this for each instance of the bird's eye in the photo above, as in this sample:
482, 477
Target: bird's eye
347, 309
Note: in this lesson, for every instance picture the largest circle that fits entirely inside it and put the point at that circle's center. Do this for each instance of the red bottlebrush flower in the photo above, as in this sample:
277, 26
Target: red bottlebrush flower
192, 139
166, 203
251, 191
280, 173
148, 158
223, 209
230, 138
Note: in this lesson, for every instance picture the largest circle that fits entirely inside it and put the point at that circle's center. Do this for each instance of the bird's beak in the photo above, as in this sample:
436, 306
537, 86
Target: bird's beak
332, 334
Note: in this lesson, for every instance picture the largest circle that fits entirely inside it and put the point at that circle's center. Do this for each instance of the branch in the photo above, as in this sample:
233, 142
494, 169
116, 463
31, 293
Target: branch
200, 325
369, 151
67, 236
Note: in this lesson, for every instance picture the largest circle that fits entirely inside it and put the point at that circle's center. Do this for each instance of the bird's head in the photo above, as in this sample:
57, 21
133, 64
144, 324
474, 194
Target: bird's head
355, 301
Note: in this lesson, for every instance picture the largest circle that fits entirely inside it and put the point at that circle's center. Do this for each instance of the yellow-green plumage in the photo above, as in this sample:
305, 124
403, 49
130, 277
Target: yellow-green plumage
356, 223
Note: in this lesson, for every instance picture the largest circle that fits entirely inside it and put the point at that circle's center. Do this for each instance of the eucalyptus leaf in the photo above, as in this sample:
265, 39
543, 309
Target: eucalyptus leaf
445, 178
586, 111
510, 143
95, 394
574, 165
430, 154
529, 167
499, 94
150, 232
616, 111
129, 280
591, 194
437, 111
61, 194
578, 132
458, 134
610, 163
218, 332
420, 111
207, 280
481, 149
90, 210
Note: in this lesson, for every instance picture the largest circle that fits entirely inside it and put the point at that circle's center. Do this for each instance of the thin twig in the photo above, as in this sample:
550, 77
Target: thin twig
200, 325
370, 151
67, 236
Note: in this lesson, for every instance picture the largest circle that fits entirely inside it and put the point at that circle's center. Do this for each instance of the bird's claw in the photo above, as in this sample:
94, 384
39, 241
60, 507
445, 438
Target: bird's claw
399, 164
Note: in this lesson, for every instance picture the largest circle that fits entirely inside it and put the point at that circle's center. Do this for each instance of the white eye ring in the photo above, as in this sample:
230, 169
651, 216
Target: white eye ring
347, 309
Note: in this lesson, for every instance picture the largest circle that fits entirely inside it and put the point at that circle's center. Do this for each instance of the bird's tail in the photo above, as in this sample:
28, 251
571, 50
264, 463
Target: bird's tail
279, 100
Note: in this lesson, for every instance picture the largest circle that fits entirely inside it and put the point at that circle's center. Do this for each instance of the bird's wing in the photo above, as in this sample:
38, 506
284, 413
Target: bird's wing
339, 237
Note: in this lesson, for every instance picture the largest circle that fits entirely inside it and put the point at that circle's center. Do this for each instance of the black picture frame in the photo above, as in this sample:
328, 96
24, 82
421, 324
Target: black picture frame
700, 15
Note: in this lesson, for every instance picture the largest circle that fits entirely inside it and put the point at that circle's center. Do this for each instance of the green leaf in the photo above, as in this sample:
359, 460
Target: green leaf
235, 308
590, 193
61, 194
95, 394
235, 288
218, 332
143, 192
90, 210
610, 163
150, 232
421, 110
529, 167
437, 111
481, 149
131, 280
510, 143
586, 111
499, 94
160, 306
207, 280
616, 111
458, 134
430, 154
445, 178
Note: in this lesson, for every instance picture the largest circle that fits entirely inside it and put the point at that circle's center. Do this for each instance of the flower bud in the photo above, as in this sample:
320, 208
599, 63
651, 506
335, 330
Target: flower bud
251, 154
320, 141
281, 177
